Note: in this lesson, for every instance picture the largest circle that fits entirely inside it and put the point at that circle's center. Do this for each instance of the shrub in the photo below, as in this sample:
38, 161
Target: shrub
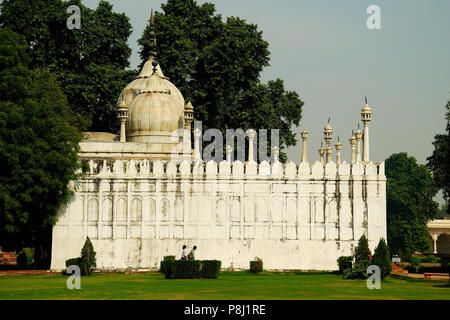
381, 258
405, 255
430, 259
344, 263
186, 269
415, 263
25, 258
87, 259
448, 270
22, 260
359, 271
410, 269
439, 269
73, 262
256, 265
190, 269
210, 269
362, 260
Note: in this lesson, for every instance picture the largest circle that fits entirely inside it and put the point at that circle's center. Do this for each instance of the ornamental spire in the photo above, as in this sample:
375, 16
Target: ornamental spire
153, 47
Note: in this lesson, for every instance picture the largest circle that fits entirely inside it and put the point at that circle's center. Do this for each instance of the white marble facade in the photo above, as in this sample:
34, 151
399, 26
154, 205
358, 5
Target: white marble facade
294, 217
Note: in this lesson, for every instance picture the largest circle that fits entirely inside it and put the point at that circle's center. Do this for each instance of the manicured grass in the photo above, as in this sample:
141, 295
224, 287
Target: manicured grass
237, 285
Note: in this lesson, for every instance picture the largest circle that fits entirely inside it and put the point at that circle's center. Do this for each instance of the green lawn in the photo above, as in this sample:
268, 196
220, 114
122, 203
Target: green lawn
238, 285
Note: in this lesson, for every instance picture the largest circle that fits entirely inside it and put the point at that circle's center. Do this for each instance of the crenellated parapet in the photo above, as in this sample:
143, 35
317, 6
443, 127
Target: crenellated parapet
234, 170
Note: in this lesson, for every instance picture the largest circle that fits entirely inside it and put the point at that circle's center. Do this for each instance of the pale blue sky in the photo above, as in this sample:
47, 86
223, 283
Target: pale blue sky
323, 50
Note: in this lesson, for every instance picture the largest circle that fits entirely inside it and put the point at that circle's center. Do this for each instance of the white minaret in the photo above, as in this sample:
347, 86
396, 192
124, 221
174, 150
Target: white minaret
358, 136
251, 136
327, 136
352, 141
321, 152
366, 117
304, 134
188, 118
197, 155
276, 152
122, 115
229, 150
338, 147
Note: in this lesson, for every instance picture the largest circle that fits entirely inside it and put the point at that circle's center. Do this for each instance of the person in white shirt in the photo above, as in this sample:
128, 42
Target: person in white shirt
183, 253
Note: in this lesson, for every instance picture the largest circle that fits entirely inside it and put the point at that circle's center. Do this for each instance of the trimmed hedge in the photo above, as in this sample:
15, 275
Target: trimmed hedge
166, 266
190, 269
210, 269
186, 269
430, 259
423, 269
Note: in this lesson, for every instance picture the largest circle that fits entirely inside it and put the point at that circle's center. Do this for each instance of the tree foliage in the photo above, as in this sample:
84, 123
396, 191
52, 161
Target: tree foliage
409, 190
89, 62
382, 258
217, 65
438, 162
38, 147
443, 212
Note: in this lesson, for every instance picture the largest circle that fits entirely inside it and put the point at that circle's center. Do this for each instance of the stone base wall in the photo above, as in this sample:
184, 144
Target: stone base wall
234, 254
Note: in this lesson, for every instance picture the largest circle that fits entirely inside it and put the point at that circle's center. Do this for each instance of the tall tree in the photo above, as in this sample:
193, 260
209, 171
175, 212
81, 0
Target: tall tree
89, 62
217, 66
439, 161
38, 150
443, 212
409, 190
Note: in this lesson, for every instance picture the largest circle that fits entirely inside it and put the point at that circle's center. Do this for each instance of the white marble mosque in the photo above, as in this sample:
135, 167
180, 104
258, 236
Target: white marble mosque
147, 192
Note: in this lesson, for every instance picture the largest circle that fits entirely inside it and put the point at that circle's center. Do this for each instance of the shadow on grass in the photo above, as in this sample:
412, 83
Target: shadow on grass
442, 286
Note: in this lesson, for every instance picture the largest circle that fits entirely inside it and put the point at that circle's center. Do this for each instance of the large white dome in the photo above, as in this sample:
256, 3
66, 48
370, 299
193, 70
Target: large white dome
138, 84
156, 112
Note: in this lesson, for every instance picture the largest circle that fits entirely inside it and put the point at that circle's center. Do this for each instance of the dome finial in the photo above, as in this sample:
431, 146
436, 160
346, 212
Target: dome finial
153, 50
365, 99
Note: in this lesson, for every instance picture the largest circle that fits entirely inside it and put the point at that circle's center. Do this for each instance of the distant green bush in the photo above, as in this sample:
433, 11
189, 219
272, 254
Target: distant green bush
415, 262
430, 259
25, 258
448, 270
439, 269
344, 263
256, 265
